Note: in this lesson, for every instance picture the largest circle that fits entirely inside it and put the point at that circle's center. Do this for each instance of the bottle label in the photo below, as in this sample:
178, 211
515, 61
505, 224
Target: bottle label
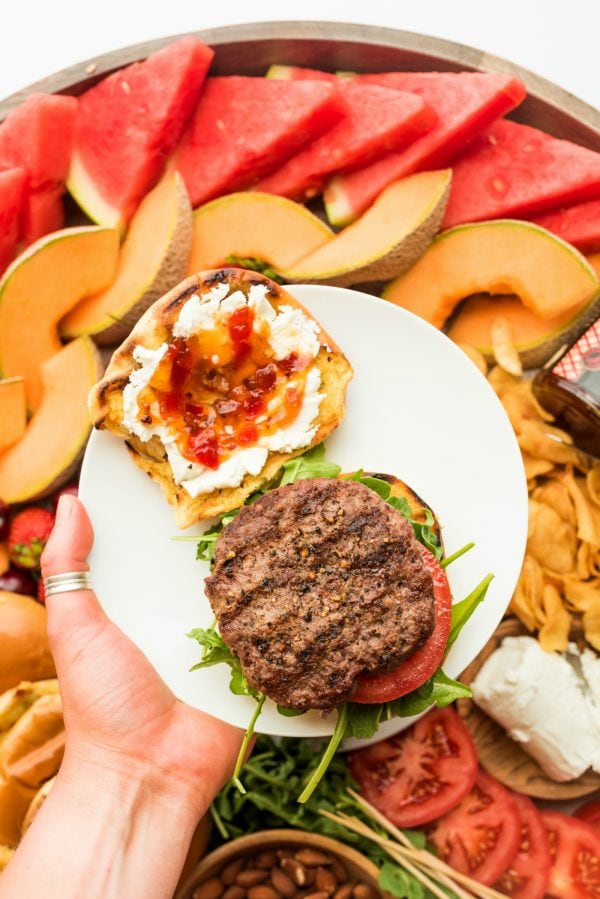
581, 364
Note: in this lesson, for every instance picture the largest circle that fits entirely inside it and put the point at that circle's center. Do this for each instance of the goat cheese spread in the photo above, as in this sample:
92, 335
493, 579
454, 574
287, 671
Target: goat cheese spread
238, 381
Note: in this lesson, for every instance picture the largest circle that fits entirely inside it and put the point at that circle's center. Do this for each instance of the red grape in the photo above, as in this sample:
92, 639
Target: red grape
17, 581
4, 521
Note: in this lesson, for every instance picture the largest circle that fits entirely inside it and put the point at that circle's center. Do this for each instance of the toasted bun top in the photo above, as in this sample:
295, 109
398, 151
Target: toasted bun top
24, 650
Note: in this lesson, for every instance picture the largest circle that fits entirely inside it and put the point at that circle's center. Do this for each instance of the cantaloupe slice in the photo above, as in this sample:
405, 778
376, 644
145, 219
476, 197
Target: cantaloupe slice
13, 411
40, 287
534, 338
49, 451
153, 259
498, 257
386, 240
594, 261
255, 225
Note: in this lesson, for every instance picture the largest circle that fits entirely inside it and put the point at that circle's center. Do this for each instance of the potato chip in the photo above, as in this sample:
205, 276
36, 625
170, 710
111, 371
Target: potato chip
551, 541
593, 483
501, 381
580, 595
586, 528
526, 603
521, 405
475, 356
543, 440
535, 467
556, 495
554, 633
588, 561
561, 570
503, 347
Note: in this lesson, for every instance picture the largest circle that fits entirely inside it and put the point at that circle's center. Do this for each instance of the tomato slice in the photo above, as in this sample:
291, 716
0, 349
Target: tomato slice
481, 836
419, 666
528, 874
590, 813
575, 853
421, 773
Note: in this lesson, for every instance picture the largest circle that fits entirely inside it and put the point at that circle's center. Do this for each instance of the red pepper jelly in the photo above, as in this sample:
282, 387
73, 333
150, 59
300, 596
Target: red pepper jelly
569, 387
222, 389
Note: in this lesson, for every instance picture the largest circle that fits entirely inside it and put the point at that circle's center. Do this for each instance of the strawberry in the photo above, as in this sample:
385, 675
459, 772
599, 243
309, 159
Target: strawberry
29, 531
41, 592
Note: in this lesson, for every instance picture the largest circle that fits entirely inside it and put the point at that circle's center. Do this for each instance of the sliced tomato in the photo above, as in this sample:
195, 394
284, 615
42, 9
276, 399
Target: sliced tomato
421, 773
481, 836
575, 853
590, 813
527, 875
419, 666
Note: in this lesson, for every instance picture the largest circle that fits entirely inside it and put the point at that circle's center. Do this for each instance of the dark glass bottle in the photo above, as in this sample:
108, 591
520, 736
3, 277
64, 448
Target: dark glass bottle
569, 387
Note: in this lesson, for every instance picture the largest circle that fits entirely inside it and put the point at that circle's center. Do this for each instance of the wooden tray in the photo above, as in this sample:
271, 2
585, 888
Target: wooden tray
250, 49
498, 753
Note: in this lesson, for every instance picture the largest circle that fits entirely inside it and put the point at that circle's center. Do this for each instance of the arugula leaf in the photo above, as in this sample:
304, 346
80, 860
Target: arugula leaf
395, 880
363, 719
255, 265
462, 611
215, 651
311, 464
289, 713
381, 488
440, 690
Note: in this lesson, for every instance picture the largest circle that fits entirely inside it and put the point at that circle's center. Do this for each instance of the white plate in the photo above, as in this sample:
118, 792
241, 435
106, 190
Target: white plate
417, 408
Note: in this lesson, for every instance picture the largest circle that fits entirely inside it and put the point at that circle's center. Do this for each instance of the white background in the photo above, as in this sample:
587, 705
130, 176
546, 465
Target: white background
559, 40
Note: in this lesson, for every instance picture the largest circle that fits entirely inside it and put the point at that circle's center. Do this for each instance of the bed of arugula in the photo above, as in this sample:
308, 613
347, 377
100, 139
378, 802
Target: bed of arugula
353, 719
274, 775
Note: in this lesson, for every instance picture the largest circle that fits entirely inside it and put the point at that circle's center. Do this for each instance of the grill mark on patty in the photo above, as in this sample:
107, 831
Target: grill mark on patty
316, 583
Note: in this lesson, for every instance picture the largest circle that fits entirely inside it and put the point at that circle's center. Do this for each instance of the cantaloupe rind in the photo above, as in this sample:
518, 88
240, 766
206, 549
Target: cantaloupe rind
386, 240
49, 451
153, 258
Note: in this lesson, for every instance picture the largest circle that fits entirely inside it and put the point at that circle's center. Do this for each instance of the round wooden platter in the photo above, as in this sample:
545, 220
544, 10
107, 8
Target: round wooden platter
499, 754
250, 48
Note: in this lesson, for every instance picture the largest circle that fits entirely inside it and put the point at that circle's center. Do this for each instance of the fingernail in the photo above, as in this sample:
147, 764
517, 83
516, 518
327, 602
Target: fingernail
65, 507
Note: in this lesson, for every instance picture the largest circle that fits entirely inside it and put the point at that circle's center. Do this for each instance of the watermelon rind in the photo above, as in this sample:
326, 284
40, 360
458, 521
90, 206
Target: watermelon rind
82, 189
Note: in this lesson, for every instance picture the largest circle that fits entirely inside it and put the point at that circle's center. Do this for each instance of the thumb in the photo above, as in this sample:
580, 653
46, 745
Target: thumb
76, 613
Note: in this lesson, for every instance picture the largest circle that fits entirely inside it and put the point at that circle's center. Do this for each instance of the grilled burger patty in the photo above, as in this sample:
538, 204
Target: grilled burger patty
315, 584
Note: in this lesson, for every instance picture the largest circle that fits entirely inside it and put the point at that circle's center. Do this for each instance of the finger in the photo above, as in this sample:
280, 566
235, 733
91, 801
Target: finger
67, 550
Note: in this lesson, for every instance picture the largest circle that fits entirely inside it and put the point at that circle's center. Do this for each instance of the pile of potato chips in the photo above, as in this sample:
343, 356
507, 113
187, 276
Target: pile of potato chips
561, 571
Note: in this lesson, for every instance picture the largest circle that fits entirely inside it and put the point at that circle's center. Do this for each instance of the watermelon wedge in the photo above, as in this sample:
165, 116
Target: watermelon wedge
13, 186
244, 128
465, 102
579, 225
515, 170
128, 124
43, 211
377, 121
38, 137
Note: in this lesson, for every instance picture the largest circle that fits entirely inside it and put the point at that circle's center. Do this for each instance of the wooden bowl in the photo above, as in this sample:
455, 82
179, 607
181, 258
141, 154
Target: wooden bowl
250, 49
500, 755
357, 865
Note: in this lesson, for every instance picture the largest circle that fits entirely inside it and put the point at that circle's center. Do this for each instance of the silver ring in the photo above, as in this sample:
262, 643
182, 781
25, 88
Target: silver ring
69, 580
